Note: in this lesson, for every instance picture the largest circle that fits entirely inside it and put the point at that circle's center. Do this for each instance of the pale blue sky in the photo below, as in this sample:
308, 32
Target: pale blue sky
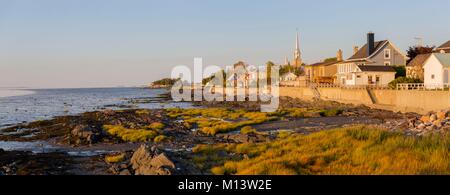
94, 43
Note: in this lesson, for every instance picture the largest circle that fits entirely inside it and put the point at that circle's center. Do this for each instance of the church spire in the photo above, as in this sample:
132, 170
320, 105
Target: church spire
297, 53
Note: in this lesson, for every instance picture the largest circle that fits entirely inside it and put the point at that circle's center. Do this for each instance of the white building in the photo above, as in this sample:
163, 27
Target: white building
288, 77
373, 54
436, 70
370, 75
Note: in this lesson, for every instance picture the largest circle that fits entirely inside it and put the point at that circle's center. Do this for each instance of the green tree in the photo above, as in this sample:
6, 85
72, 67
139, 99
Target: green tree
414, 51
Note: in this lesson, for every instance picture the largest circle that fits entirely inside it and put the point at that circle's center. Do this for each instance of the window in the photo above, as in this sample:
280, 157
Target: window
432, 76
387, 63
358, 76
387, 54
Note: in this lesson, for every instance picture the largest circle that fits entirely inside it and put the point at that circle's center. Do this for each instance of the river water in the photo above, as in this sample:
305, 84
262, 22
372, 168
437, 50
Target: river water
21, 106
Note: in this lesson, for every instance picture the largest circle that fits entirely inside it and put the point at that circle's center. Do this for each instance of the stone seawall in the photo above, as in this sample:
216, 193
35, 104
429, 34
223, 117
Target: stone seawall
420, 102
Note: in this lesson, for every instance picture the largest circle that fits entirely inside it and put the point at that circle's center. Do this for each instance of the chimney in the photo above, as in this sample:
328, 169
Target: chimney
370, 43
339, 55
355, 50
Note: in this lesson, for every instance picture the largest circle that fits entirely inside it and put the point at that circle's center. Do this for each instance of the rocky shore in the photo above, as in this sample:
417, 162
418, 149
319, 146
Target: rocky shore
153, 142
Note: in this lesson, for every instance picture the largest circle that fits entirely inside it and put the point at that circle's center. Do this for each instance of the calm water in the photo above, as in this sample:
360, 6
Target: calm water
31, 105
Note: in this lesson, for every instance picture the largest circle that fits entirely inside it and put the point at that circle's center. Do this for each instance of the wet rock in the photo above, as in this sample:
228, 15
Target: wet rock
430, 128
147, 162
109, 112
441, 115
437, 123
125, 172
241, 138
433, 117
421, 126
85, 133
425, 119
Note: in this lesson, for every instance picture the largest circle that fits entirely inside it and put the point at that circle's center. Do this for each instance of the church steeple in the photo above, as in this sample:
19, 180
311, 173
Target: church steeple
297, 52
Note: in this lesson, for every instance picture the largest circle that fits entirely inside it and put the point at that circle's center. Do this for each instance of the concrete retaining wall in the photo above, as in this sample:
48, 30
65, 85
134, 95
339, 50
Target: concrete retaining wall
404, 101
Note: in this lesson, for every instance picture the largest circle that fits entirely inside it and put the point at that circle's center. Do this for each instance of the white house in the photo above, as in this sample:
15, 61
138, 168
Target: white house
288, 77
370, 75
373, 53
436, 70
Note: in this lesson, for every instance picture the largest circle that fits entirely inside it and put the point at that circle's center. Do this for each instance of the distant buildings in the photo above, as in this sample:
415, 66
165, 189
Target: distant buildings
416, 68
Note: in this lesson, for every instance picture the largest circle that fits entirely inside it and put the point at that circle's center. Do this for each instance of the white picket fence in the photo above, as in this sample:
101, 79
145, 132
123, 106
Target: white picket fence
423, 87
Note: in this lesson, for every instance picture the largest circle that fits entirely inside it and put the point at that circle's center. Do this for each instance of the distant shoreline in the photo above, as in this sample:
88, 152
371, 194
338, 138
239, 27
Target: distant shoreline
5, 92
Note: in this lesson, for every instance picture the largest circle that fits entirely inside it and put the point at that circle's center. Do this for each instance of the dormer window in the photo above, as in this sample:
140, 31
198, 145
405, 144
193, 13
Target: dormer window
387, 54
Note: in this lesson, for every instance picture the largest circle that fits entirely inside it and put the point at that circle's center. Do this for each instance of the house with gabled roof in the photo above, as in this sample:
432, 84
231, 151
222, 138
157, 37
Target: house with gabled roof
325, 71
373, 53
437, 70
444, 48
414, 69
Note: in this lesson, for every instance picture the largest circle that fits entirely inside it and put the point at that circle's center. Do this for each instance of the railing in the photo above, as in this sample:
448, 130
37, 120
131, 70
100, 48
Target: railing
423, 87
331, 85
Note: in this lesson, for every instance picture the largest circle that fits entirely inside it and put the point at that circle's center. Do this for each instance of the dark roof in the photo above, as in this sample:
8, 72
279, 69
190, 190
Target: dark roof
362, 53
445, 45
377, 68
419, 60
324, 63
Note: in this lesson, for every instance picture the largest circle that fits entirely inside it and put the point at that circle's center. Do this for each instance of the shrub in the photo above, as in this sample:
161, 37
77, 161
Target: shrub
248, 130
393, 84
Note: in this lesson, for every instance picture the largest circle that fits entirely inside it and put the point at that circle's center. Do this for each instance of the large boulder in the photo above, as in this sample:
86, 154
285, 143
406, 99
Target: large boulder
148, 161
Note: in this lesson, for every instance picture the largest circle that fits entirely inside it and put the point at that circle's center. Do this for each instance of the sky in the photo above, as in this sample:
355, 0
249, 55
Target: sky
109, 43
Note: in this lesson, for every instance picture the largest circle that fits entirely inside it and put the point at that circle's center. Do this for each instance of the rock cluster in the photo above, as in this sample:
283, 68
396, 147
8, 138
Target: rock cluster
241, 138
85, 134
433, 122
149, 161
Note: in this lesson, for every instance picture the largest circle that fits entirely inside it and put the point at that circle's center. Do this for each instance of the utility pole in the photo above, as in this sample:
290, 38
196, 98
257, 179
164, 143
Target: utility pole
419, 41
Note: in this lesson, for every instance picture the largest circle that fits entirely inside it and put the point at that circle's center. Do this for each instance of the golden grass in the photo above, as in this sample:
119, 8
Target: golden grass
115, 158
156, 126
142, 112
248, 130
219, 120
358, 150
131, 135
160, 138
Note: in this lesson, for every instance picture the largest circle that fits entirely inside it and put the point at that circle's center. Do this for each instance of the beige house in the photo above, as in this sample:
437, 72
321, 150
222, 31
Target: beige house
323, 72
415, 69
